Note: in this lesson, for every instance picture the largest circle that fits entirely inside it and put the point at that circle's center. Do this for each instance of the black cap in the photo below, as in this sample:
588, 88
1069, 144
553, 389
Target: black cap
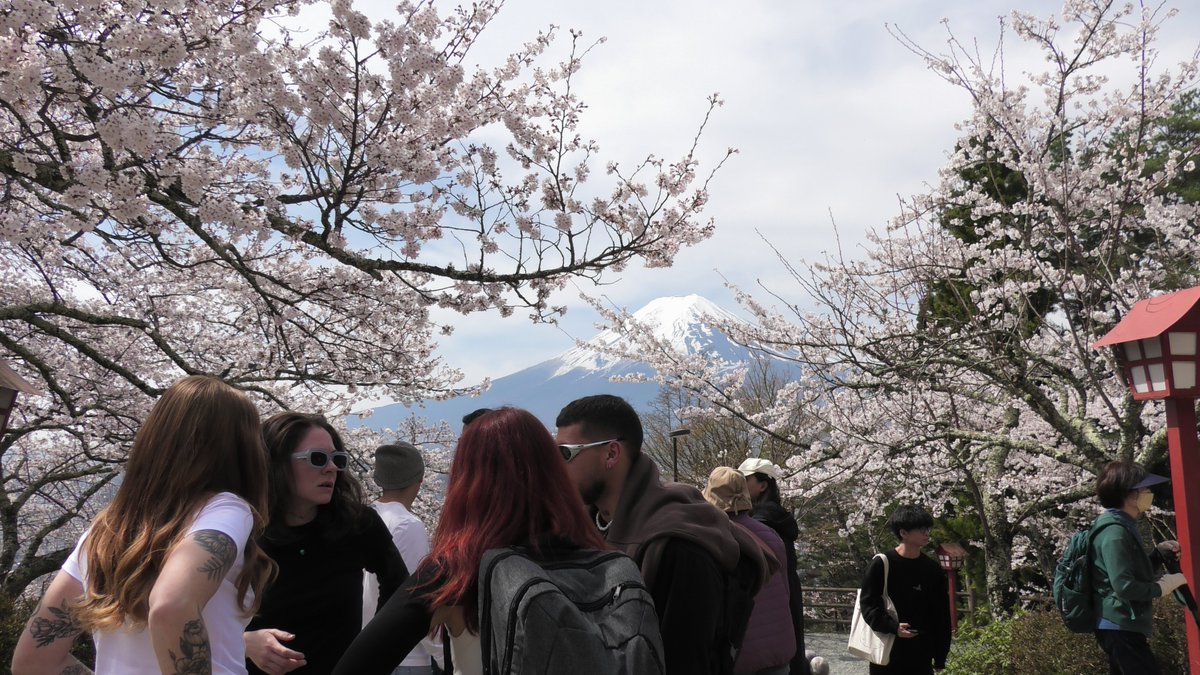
1150, 480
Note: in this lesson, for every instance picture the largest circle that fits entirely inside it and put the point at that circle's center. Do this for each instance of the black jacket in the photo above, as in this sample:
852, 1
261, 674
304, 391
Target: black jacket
318, 593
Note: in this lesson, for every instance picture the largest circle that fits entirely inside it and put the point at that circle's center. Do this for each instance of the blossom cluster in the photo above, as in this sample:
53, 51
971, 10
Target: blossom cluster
207, 187
951, 365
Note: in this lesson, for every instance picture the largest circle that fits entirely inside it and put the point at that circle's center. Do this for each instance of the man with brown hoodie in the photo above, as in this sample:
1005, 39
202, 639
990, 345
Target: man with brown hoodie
697, 566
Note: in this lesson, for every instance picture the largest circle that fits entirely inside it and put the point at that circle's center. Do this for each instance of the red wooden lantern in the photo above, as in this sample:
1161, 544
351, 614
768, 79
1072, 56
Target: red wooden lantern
1156, 347
951, 557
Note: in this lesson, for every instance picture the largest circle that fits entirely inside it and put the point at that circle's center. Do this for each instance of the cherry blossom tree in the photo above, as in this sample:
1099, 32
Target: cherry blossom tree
205, 187
951, 363
712, 439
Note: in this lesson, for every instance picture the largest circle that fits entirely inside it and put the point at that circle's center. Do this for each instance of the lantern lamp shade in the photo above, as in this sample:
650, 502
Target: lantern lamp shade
1156, 346
951, 556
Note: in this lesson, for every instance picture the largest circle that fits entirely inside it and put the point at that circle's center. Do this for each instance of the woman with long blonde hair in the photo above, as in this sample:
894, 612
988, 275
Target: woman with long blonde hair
168, 575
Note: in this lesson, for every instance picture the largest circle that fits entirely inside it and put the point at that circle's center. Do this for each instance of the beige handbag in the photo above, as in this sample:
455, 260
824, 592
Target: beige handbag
864, 642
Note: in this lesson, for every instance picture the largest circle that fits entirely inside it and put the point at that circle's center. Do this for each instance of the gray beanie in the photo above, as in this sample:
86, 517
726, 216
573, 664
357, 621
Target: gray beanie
398, 466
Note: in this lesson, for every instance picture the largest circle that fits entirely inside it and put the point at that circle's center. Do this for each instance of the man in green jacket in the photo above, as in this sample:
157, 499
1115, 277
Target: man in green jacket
1123, 575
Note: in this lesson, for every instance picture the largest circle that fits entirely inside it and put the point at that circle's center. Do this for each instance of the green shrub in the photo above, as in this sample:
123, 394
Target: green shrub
1042, 645
982, 650
12, 622
1037, 643
1169, 640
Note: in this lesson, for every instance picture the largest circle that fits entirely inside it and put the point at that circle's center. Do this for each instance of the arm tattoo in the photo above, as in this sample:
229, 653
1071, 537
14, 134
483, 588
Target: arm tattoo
223, 551
45, 631
195, 655
75, 670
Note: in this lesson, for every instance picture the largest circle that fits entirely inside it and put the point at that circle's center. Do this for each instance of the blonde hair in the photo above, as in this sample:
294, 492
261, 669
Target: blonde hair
200, 438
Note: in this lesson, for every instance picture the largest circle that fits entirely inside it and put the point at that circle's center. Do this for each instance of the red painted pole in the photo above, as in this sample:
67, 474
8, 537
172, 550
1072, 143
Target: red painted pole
1185, 471
953, 604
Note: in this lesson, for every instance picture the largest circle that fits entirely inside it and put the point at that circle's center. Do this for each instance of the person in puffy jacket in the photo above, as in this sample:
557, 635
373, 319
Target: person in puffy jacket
1123, 575
770, 642
762, 479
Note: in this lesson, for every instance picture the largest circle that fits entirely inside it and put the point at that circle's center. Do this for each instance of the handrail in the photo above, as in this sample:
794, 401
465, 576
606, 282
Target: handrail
820, 609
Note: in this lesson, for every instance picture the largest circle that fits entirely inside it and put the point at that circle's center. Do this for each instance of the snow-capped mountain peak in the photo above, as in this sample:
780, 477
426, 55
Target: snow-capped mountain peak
684, 322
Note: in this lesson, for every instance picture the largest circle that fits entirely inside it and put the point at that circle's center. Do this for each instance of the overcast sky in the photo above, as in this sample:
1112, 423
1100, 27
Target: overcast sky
833, 118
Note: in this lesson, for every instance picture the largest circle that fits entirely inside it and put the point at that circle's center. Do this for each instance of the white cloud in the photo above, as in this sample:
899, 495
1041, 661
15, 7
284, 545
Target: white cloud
832, 116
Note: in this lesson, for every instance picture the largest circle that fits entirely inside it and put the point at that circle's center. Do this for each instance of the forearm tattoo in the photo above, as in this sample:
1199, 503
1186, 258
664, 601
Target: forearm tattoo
46, 631
195, 654
223, 551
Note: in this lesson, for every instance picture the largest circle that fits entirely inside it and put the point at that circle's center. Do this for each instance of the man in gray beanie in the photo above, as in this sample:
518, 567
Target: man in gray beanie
399, 472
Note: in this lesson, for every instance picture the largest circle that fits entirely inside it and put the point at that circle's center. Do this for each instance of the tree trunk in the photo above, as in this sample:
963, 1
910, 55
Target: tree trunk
997, 543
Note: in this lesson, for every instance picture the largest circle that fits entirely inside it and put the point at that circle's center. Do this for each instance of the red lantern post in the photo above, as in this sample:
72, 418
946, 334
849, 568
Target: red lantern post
951, 557
1156, 346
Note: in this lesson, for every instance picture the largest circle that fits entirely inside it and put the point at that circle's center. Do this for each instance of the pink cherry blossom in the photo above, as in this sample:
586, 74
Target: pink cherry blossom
207, 187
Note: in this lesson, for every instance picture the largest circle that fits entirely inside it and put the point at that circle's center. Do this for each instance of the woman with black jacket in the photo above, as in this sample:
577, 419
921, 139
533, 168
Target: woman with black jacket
323, 536
762, 479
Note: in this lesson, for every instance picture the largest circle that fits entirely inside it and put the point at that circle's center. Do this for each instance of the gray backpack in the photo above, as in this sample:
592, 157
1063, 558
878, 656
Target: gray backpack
580, 612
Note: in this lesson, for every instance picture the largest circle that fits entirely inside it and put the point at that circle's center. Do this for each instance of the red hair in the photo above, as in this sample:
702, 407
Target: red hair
508, 485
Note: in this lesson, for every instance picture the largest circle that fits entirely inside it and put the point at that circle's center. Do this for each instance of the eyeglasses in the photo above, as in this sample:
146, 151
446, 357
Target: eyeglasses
571, 450
319, 458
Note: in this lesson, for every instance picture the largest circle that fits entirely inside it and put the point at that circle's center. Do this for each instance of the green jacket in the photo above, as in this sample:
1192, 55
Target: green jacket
1123, 576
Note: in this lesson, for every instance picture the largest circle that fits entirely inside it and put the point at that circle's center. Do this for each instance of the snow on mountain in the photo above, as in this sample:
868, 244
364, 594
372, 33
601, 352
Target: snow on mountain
686, 322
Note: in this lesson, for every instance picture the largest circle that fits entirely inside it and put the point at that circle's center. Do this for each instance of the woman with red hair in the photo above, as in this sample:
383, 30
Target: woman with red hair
508, 486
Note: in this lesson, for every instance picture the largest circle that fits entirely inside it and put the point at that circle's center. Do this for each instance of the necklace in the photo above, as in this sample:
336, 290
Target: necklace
603, 528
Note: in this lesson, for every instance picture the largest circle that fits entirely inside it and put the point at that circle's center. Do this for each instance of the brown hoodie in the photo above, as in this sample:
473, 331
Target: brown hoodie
650, 513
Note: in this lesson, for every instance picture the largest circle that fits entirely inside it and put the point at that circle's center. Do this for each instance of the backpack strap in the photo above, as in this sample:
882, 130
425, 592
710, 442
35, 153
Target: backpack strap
487, 567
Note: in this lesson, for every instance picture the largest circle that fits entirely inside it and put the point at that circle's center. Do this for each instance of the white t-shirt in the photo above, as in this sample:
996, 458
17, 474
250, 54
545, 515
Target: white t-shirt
467, 652
412, 539
131, 652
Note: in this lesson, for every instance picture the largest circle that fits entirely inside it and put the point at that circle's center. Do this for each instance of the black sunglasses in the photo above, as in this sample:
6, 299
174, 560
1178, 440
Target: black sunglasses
319, 458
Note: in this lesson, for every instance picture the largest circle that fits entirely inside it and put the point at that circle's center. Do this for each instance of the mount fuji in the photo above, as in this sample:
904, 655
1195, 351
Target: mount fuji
543, 389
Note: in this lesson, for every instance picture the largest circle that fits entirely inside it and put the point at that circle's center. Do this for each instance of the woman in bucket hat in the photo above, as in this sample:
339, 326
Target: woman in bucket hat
769, 644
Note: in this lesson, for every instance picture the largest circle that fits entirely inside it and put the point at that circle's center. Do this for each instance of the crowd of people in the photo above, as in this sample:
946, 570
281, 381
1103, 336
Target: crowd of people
234, 546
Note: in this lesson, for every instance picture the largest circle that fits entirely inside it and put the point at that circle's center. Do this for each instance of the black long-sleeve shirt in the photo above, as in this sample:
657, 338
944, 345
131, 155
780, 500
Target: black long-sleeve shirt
917, 587
689, 598
318, 594
398, 626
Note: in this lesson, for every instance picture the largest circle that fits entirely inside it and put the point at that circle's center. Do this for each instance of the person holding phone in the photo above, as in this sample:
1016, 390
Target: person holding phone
917, 588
